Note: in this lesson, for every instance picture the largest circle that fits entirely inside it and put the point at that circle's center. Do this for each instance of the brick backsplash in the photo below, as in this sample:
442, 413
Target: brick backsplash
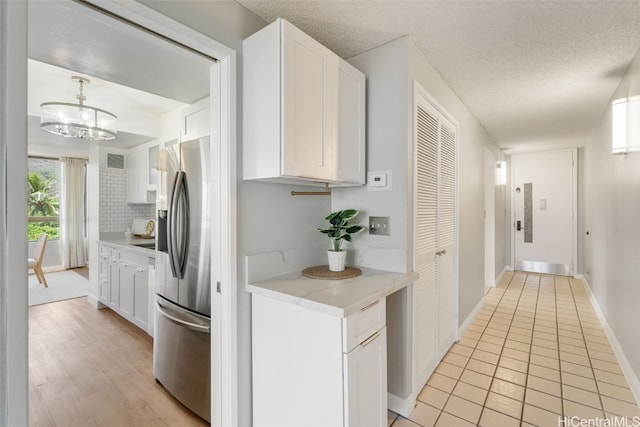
115, 213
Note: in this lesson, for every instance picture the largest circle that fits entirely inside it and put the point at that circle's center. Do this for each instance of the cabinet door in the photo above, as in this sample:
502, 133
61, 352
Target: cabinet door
104, 278
195, 121
140, 294
126, 280
114, 293
152, 171
137, 165
365, 382
350, 144
308, 78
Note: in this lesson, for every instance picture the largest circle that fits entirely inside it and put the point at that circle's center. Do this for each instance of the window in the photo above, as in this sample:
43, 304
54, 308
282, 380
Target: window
43, 201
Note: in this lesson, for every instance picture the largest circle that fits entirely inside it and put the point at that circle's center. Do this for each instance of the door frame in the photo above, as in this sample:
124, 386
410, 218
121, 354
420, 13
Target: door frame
574, 205
14, 389
420, 92
489, 218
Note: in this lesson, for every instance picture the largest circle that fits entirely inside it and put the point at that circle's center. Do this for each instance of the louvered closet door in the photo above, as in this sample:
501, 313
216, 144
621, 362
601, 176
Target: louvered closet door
426, 215
435, 298
446, 268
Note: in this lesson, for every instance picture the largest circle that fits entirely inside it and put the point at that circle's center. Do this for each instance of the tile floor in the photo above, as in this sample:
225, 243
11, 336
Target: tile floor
534, 355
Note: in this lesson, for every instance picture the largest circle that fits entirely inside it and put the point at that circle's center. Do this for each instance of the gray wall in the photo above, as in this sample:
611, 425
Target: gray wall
472, 139
391, 70
611, 202
270, 219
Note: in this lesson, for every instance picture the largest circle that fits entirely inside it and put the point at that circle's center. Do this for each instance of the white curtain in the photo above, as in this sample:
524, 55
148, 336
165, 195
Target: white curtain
72, 213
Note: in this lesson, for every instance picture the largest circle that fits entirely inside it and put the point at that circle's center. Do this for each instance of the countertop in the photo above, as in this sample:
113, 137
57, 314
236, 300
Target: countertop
127, 244
339, 298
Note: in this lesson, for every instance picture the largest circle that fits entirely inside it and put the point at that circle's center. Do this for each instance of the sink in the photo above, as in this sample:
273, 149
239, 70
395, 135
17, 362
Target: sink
148, 245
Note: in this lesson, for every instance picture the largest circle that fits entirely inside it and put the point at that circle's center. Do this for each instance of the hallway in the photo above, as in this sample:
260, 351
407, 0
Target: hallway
536, 354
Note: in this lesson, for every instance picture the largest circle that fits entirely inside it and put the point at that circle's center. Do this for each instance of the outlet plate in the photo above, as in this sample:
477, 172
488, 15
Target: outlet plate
380, 225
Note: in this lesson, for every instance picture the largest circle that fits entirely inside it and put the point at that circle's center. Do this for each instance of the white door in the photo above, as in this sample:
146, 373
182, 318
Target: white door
447, 240
435, 238
544, 204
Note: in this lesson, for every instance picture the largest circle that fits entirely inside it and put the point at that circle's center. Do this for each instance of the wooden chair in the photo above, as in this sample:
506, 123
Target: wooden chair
35, 263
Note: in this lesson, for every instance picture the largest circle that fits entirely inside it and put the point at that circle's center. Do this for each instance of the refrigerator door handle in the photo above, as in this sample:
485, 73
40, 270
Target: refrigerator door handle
172, 230
184, 223
179, 226
189, 325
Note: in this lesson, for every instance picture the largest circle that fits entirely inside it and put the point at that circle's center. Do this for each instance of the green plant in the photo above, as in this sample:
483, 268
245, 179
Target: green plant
52, 229
42, 201
343, 225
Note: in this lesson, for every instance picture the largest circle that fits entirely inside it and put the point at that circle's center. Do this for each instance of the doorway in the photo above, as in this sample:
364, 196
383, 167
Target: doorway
223, 144
544, 203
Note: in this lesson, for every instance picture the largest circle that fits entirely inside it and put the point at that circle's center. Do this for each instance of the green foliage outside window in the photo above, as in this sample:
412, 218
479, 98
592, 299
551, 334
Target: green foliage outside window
36, 228
43, 198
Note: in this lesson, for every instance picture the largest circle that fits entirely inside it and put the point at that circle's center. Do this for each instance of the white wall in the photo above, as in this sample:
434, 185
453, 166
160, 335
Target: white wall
611, 252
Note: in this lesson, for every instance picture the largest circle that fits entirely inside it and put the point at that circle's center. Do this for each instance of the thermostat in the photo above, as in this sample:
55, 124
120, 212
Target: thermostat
379, 181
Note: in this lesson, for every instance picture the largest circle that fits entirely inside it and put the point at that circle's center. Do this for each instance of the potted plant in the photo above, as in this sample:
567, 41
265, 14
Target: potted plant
343, 225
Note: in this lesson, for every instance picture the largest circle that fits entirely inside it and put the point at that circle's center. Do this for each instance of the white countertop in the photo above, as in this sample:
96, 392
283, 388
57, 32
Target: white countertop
127, 244
339, 298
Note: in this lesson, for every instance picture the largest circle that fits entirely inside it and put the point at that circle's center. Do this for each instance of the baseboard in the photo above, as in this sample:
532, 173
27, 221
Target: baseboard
95, 303
490, 283
401, 406
53, 268
465, 325
502, 273
508, 268
627, 370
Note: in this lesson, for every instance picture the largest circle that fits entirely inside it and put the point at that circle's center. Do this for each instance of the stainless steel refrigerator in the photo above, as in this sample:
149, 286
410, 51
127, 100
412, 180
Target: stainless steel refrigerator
181, 346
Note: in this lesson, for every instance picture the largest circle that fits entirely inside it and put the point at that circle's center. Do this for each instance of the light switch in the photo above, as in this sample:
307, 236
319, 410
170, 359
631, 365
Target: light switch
380, 225
543, 204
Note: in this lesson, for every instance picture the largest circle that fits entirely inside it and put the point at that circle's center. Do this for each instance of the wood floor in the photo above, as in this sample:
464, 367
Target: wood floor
90, 367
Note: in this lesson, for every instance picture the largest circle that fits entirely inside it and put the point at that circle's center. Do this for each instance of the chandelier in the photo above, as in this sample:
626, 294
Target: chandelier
78, 120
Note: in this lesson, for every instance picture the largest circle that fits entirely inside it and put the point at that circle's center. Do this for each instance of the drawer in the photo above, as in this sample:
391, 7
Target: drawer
360, 326
134, 258
127, 265
105, 251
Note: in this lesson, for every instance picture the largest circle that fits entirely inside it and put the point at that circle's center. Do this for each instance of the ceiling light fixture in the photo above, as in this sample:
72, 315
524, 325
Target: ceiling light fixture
78, 120
625, 117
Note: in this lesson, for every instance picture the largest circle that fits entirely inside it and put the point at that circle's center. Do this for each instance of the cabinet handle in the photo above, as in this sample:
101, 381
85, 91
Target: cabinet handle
367, 307
124, 264
140, 270
371, 338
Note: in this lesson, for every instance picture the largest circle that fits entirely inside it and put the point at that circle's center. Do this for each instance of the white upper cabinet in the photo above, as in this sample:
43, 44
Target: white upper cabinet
351, 151
195, 120
137, 166
303, 110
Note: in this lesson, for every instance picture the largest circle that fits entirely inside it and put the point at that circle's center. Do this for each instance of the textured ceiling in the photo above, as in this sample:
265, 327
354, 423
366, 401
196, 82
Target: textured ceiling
536, 74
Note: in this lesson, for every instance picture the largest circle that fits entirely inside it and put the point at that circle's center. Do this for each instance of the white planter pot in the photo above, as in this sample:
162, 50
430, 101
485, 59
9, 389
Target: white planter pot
336, 260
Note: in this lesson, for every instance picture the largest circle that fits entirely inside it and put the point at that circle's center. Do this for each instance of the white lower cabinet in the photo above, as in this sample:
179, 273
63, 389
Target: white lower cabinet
365, 378
124, 284
315, 369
